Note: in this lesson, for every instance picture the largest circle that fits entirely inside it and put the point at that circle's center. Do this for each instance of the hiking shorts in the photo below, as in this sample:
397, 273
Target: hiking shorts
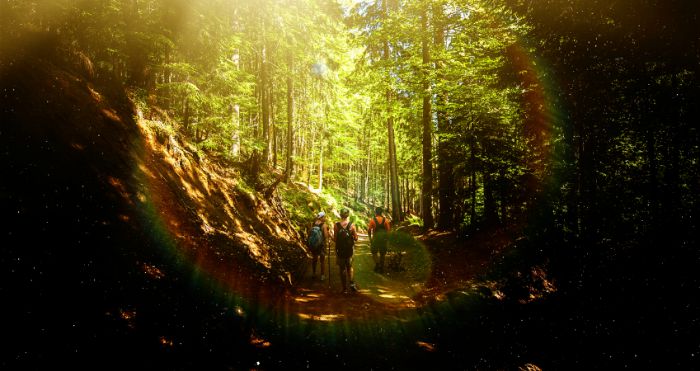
321, 251
344, 263
379, 244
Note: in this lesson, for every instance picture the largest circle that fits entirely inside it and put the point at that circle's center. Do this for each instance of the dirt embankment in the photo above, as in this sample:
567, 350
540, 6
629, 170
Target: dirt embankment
115, 239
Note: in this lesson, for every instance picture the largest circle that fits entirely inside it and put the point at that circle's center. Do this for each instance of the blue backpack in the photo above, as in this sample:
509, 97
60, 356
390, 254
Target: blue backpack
315, 239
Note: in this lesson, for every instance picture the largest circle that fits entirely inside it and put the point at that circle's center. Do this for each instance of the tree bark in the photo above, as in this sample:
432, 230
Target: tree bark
236, 132
272, 140
265, 103
186, 114
320, 165
427, 186
393, 174
446, 187
290, 120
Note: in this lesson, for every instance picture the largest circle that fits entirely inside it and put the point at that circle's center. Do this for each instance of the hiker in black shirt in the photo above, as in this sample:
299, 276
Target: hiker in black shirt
345, 237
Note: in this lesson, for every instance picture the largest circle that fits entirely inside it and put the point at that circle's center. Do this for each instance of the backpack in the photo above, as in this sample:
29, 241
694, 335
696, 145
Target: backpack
344, 241
315, 239
379, 227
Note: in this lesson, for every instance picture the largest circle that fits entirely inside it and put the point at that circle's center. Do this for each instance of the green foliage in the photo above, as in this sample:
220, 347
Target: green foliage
415, 220
160, 128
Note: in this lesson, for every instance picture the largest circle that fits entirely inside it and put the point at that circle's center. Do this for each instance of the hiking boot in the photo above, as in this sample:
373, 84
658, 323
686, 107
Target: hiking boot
344, 291
353, 288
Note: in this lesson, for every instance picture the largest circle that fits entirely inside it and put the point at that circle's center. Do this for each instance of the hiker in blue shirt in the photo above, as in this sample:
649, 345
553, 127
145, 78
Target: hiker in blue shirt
318, 238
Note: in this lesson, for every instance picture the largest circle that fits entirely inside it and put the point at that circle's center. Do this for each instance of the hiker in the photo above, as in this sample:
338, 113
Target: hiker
378, 230
345, 237
319, 236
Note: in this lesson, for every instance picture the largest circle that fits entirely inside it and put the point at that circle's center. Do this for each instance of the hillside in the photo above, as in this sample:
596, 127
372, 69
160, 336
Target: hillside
120, 235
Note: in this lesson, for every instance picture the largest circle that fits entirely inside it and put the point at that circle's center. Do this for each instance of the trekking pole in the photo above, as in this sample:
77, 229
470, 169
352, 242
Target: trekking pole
329, 265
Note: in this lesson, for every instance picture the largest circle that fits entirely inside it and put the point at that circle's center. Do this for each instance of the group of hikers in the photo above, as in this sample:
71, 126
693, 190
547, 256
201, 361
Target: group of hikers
343, 236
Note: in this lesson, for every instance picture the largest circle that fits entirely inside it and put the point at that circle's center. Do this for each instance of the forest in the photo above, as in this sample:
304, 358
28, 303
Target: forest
539, 161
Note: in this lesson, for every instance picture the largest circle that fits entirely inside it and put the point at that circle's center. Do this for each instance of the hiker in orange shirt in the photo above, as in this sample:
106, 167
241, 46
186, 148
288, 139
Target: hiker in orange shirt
378, 230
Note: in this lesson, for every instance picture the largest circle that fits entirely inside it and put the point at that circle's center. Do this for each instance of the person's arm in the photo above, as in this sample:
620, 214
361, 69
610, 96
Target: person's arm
370, 228
354, 232
388, 224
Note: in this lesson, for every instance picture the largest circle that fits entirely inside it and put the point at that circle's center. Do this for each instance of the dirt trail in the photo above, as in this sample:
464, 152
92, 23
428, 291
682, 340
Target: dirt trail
388, 293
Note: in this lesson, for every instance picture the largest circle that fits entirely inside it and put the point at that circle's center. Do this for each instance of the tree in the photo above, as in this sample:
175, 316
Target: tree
427, 123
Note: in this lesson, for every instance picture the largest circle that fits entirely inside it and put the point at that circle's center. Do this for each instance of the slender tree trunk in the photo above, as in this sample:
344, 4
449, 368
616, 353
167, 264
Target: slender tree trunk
312, 155
320, 165
387, 185
265, 104
472, 186
393, 173
445, 176
236, 132
255, 121
186, 114
290, 120
368, 166
272, 141
427, 186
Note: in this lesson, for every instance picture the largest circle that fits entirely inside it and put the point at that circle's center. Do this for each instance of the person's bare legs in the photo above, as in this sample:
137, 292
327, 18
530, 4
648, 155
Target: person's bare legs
351, 276
375, 257
343, 279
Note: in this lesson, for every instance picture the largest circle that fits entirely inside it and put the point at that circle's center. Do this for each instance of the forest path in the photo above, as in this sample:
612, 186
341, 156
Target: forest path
387, 294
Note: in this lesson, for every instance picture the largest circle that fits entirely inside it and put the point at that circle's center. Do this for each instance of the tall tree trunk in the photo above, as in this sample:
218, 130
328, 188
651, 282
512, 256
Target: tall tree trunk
387, 185
265, 104
366, 186
472, 186
427, 186
320, 165
236, 132
310, 162
393, 173
272, 140
290, 120
186, 114
446, 187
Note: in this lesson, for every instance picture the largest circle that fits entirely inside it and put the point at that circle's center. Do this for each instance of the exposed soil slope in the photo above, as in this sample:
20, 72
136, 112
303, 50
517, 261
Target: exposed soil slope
114, 242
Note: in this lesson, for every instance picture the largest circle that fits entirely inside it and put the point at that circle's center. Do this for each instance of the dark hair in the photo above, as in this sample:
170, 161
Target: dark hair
378, 211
